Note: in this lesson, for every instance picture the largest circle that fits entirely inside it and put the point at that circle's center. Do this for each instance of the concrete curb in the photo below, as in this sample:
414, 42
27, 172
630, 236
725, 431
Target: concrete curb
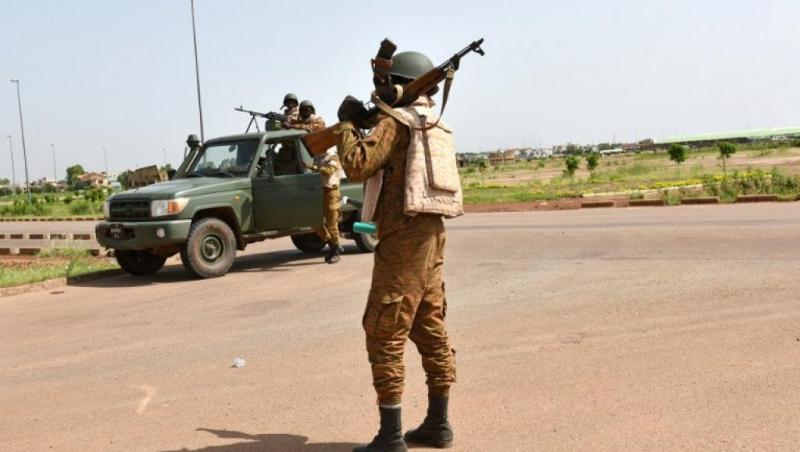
622, 203
701, 200
596, 204
756, 198
46, 236
58, 282
11, 220
646, 202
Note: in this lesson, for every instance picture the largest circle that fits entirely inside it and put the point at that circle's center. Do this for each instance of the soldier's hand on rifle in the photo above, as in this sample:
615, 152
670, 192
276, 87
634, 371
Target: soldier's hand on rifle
351, 109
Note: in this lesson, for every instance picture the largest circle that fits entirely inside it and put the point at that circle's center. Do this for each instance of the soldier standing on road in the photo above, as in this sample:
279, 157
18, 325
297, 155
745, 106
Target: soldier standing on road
407, 299
330, 169
307, 119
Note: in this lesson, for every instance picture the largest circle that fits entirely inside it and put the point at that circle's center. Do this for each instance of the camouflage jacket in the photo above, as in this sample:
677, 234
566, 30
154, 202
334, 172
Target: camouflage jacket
383, 149
313, 123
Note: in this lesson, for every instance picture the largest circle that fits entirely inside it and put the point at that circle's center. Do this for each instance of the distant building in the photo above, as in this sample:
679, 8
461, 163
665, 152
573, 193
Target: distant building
503, 157
631, 147
612, 151
94, 180
540, 153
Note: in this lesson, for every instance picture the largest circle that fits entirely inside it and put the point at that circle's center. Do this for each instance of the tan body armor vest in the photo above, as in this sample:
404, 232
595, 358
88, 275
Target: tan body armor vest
432, 182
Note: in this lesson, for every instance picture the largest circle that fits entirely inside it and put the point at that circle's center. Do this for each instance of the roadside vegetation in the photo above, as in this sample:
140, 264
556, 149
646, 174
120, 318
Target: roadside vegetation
725, 171
51, 264
67, 204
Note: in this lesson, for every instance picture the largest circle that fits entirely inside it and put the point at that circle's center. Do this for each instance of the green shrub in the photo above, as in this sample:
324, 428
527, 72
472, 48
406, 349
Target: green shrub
81, 207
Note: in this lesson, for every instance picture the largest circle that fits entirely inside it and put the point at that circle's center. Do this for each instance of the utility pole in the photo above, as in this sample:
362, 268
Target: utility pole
164, 150
197, 75
24, 150
13, 170
55, 171
105, 159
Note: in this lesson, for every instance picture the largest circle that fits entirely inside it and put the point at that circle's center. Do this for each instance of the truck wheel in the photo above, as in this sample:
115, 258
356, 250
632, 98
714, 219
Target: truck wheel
308, 243
139, 263
365, 242
210, 248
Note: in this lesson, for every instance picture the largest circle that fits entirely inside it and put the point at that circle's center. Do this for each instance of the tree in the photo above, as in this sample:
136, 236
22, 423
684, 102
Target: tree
572, 163
677, 154
124, 179
592, 160
72, 174
725, 151
4, 181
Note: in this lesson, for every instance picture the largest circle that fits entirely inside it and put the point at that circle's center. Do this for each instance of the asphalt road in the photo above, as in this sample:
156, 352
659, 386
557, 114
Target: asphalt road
613, 329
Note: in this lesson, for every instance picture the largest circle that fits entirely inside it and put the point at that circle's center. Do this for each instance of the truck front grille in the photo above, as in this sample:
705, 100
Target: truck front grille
129, 210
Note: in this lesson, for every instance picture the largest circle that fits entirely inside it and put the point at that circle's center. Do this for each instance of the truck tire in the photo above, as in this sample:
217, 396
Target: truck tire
210, 249
139, 263
365, 242
308, 243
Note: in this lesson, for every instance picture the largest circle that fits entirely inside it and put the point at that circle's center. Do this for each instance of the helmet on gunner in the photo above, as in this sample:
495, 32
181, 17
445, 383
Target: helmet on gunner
291, 97
307, 109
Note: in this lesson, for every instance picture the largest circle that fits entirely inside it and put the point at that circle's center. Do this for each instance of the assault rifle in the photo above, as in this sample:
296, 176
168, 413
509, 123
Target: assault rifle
321, 141
271, 116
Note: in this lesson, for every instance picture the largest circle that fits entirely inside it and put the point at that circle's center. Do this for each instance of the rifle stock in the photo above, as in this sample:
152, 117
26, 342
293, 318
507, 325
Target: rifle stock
320, 141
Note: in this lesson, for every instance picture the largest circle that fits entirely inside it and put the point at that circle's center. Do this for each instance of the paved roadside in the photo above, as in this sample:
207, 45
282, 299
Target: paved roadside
617, 329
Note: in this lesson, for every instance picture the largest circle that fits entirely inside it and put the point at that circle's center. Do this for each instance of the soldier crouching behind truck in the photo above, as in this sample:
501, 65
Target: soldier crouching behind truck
330, 169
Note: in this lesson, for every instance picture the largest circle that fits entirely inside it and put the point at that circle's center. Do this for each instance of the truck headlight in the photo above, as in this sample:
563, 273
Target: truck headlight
164, 207
107, 210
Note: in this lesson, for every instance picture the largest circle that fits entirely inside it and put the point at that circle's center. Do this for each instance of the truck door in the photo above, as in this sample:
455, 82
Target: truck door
286, 195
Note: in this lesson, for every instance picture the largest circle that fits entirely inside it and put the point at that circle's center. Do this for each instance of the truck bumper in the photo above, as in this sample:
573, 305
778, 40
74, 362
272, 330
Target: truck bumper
142, 235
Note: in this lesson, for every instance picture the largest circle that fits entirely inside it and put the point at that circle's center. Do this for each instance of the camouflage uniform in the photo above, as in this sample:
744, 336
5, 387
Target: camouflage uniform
329, 167
312, 124
406, 299
292, 114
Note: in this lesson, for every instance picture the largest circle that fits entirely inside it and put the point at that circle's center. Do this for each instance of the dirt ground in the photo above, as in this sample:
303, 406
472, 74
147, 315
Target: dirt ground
591, 329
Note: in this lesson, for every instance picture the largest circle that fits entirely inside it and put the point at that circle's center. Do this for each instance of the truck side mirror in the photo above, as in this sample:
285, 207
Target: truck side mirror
192, 141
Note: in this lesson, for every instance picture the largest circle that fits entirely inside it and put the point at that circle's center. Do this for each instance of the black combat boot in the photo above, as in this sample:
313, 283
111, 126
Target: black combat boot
333, 254
390, 436
435, 430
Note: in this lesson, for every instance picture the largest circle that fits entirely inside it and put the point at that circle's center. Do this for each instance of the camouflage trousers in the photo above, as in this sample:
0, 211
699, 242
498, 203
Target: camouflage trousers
329, 231
407, 300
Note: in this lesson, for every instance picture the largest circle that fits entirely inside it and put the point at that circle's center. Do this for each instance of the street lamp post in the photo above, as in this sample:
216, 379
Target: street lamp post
13, 170
55, 171
197, 75
105, 159
24, 150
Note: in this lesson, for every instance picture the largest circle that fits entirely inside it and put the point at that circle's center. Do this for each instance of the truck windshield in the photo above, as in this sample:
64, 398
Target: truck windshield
230, 159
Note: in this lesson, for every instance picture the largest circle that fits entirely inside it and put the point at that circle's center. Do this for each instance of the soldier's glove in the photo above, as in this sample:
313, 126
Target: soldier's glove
352, 109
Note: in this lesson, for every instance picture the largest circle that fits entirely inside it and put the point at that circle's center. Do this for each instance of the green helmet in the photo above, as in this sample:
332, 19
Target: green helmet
288, 97
307, 104
410, 65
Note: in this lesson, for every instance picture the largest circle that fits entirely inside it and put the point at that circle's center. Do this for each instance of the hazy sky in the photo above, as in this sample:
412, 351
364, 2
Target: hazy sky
120, 74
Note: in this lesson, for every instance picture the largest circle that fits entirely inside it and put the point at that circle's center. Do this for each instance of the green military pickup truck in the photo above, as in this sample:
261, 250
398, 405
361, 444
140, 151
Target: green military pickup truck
229, 192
